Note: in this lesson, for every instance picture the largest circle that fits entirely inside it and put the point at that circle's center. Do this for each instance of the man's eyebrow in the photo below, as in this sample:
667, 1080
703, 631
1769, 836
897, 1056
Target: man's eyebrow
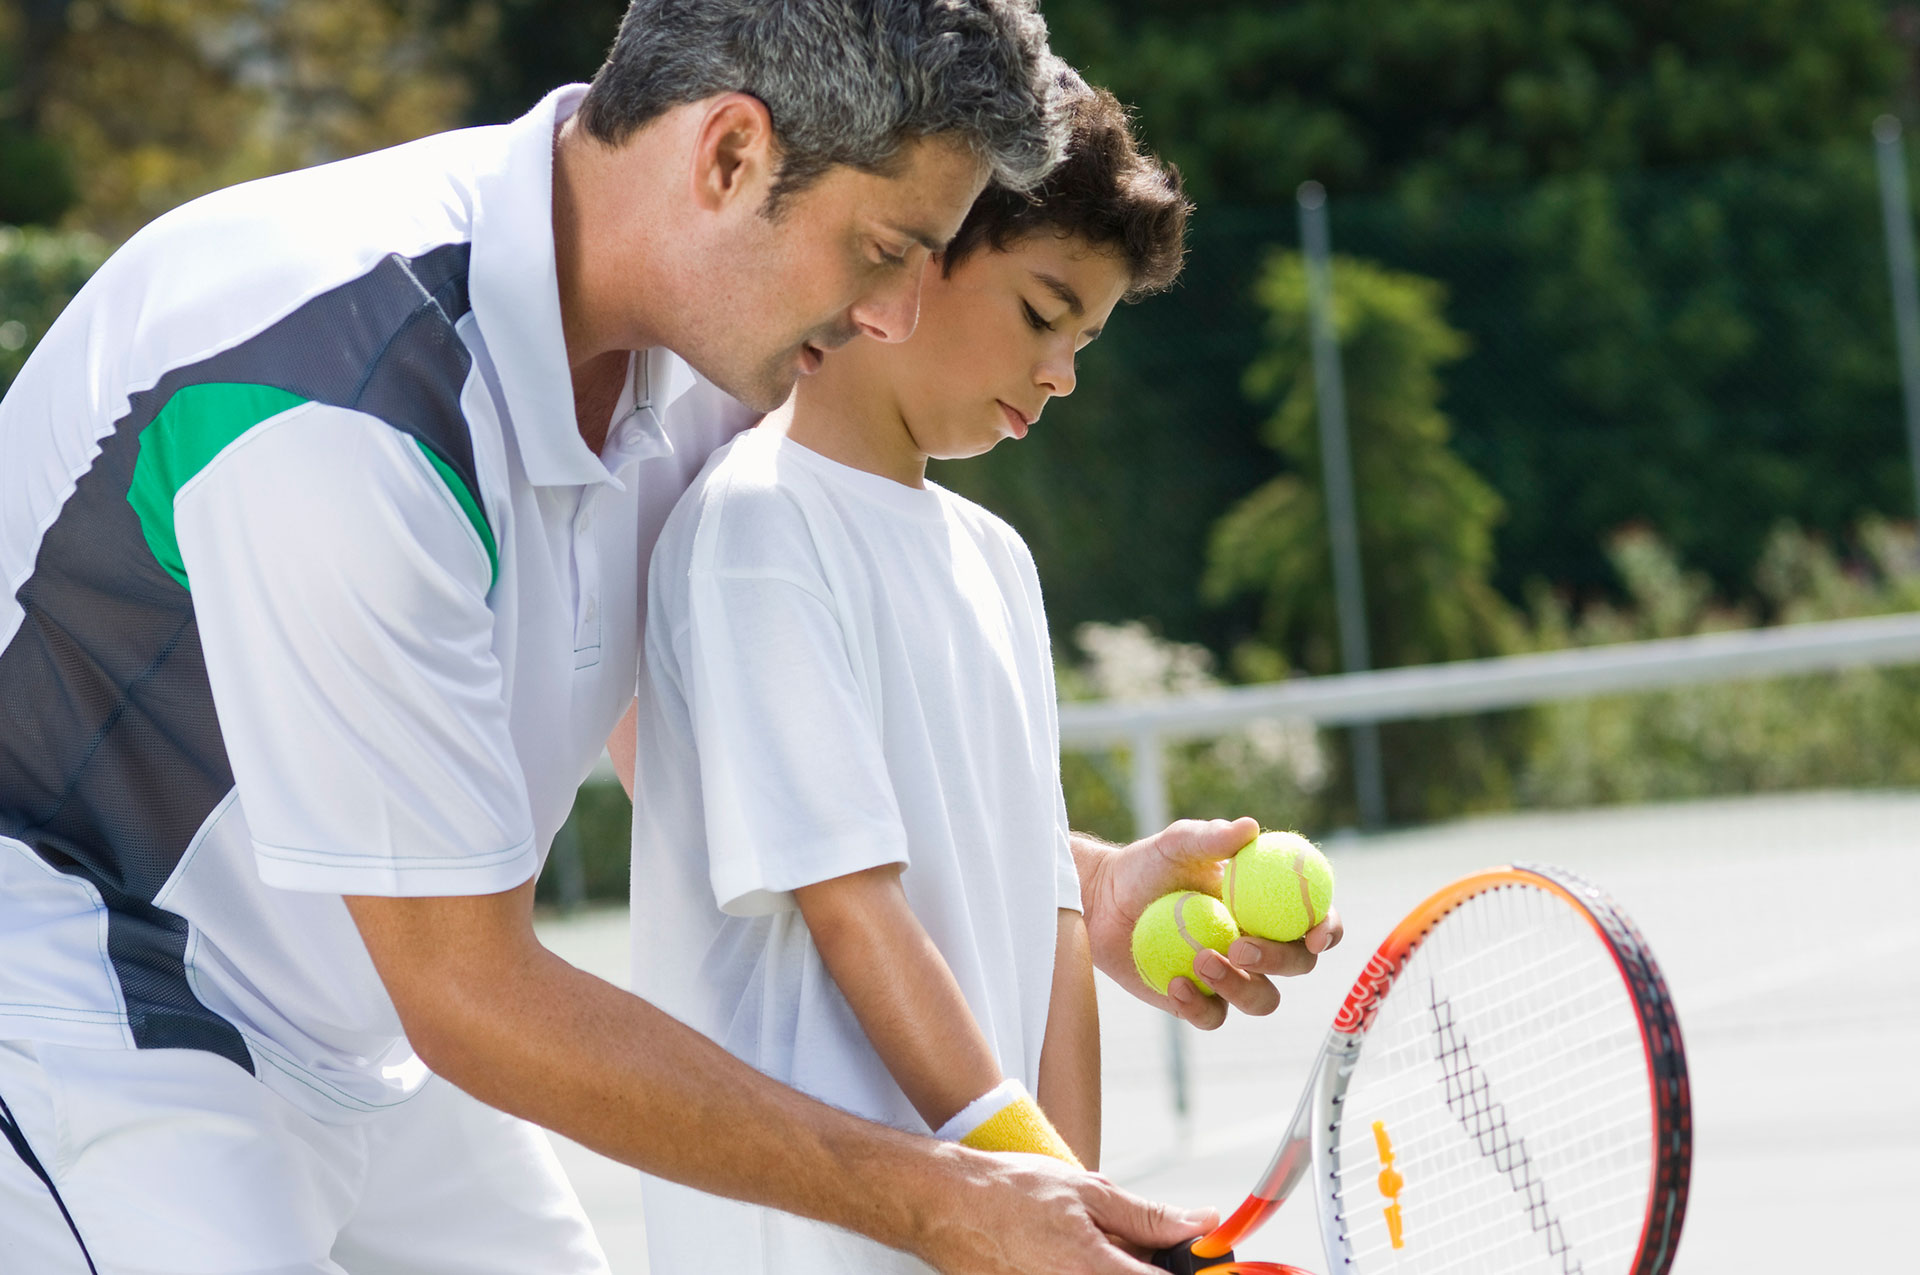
925, 238
1059, 288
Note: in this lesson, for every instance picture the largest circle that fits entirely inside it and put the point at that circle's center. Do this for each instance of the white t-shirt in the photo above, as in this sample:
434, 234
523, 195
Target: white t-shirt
838, 672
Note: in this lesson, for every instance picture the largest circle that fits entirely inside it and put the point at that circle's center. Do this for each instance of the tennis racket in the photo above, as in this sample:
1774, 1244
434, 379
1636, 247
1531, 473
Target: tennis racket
1504, 1091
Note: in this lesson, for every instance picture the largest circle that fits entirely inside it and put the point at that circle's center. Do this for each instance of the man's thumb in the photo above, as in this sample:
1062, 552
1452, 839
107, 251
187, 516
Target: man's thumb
1151, 1226
1206, 840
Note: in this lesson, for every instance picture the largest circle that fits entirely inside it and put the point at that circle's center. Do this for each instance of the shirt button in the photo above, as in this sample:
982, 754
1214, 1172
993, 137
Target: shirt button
591, 611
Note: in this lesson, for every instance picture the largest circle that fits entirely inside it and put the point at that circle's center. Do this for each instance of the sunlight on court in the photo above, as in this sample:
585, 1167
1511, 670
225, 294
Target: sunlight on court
1787, 931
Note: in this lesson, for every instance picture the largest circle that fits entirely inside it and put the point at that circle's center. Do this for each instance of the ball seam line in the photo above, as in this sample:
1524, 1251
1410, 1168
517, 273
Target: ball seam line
1306, 892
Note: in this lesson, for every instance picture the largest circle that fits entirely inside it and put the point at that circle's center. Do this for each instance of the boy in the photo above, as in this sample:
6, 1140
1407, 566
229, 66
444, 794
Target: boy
847, 707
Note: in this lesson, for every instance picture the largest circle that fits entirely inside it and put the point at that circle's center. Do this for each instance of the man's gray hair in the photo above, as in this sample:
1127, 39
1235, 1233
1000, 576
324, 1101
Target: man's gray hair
846, 81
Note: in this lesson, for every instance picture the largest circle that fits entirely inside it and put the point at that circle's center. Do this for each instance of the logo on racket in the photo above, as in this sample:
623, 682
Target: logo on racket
1368, 991
1390, 1182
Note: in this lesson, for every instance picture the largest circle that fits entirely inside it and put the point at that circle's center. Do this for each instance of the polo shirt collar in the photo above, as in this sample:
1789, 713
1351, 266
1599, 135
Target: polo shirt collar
515, 292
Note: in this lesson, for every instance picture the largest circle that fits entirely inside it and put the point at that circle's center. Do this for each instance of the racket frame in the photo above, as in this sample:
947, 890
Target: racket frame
1312, 1142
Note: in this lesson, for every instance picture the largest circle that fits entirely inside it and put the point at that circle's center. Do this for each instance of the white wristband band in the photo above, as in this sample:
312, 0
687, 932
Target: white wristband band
981, 1109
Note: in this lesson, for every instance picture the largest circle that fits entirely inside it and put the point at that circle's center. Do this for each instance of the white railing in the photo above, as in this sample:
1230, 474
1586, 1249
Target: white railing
1144, 727
1473, 686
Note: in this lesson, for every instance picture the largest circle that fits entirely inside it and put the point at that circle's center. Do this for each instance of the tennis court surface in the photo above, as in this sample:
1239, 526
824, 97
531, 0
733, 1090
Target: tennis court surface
1789, 930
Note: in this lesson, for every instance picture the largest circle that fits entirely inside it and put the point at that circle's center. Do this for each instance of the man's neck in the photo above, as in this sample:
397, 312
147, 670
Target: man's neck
599, 266
597, 385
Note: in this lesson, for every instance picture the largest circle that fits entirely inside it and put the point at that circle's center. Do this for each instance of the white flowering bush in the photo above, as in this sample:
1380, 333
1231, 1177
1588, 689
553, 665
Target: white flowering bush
1272, 770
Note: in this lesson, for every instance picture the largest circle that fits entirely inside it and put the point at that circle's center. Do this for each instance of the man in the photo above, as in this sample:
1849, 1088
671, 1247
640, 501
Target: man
322, 512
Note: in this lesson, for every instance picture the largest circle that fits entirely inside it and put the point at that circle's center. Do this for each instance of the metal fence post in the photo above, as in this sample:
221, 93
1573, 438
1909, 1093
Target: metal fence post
1896, 216
1149, 800
1342, 519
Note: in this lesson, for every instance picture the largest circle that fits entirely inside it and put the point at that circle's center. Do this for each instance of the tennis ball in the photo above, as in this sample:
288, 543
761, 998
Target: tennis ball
1172, 930
1279, 886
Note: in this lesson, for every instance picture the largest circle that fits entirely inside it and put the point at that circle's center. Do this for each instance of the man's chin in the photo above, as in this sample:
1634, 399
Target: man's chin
761, 391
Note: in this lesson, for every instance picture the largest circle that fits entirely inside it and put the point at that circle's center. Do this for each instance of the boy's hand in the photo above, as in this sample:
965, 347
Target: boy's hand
1118, 882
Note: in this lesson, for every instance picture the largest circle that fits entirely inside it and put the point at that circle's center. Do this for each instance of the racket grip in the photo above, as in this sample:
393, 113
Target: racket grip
1180, 1260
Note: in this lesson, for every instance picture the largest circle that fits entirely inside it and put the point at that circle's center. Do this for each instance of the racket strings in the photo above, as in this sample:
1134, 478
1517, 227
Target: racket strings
1506, 1072
1469, 1096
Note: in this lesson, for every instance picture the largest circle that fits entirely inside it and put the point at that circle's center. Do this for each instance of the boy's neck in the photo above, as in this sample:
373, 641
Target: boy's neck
848, 415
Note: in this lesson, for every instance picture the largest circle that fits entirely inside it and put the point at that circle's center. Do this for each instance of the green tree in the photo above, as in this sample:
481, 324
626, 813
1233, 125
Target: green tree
1422, 95
1656, 223
149, 103
1425, 519
40, 271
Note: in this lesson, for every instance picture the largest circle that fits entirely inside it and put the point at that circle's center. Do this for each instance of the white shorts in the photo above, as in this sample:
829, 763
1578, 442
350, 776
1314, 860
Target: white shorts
688, 1230
176, 1162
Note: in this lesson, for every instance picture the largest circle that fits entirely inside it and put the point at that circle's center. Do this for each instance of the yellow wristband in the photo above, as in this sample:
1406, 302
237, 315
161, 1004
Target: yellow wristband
1012, 1121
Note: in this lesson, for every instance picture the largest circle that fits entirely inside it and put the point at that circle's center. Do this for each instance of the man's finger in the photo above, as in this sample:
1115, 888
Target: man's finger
1247, 992
1150, 1225
1326, 934
1195, 1007
1276, 960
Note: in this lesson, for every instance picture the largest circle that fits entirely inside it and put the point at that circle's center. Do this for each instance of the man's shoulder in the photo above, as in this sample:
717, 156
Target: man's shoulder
270, 243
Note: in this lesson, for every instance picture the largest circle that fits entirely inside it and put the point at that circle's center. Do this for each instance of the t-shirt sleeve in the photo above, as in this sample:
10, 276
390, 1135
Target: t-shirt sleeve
341, 596
1066, 874
794, 783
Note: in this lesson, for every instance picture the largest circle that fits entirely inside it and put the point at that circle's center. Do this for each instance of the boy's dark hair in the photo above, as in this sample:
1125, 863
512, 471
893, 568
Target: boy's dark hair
1106, 190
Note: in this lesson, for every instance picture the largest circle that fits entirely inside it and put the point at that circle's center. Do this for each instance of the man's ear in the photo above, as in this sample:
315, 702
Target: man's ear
734, 153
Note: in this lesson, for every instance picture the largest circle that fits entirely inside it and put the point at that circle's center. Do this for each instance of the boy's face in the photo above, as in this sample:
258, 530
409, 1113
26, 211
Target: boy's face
997, 339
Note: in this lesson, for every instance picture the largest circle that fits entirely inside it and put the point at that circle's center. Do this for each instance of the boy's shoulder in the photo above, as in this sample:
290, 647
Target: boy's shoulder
985, 526
749, 508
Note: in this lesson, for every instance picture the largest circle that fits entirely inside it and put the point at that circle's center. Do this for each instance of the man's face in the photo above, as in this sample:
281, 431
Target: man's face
843, 258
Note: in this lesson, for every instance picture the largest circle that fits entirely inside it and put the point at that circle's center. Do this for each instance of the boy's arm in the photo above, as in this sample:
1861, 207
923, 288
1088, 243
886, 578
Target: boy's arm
1070, 1058
901, 990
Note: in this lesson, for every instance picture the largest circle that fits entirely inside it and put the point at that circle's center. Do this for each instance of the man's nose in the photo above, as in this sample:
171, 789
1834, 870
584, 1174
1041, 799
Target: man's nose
890, 312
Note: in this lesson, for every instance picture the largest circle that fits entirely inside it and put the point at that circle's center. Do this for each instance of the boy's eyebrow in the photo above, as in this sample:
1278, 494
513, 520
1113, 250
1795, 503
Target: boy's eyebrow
1060, 288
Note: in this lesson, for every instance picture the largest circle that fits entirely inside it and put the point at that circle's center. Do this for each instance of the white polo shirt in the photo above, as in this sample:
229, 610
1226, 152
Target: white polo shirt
312, 589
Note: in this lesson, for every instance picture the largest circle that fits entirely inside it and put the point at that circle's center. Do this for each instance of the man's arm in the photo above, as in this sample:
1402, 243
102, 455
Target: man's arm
623, 747
494, 1012
1118, 882
1070, 1058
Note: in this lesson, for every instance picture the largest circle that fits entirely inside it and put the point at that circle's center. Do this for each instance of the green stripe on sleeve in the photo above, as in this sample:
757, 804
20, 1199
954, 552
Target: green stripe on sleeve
201, 421
468, 505
197, 424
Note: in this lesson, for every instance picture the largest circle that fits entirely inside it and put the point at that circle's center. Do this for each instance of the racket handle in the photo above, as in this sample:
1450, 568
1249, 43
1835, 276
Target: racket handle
1180, 1260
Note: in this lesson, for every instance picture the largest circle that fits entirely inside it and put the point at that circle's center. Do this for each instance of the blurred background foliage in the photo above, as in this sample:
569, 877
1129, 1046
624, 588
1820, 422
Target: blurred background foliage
1611, 285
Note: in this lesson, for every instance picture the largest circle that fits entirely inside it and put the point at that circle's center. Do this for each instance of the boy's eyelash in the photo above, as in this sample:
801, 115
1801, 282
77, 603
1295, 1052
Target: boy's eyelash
1033, 317
888, 258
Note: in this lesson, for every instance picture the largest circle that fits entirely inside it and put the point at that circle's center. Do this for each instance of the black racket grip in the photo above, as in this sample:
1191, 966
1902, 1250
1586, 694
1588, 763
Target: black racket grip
1181, 1261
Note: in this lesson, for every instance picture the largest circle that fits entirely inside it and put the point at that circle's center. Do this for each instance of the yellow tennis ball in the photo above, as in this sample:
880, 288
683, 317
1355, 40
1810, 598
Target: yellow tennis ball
1171, 932
1279, 886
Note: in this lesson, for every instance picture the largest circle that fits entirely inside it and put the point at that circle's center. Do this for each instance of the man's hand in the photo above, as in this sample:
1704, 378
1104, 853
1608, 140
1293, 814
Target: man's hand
1118, 882
1028, 1213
